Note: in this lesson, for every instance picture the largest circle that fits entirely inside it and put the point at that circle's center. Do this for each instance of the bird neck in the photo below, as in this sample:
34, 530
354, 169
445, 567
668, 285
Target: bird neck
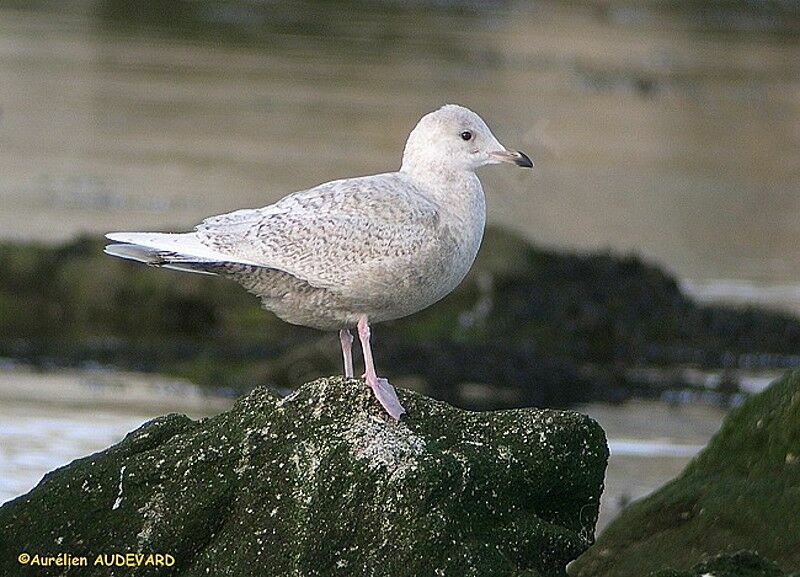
438, 175
458, 193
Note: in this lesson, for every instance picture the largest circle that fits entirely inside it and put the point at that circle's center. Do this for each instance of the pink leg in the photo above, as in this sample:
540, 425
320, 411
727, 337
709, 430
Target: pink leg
381, 388
347, 352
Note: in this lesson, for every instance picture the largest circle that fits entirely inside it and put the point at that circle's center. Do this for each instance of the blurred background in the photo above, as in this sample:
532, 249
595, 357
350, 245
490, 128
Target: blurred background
647, 271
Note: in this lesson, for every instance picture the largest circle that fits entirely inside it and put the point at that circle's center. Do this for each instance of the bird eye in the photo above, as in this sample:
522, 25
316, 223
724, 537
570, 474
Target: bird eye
466, 135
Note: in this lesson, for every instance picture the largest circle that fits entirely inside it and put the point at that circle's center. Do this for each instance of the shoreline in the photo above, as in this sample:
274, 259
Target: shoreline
109, 389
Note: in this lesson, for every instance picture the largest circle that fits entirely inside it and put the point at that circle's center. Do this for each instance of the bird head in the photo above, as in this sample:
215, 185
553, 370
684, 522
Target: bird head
455, 138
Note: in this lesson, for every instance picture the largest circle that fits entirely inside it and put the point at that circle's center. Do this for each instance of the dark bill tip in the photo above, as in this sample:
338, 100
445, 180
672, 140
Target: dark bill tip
523, 160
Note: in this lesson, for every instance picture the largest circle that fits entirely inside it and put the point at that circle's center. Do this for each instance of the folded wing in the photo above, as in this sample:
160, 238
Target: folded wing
328, 234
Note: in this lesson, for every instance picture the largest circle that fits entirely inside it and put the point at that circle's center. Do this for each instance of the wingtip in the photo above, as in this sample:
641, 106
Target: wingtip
130, 252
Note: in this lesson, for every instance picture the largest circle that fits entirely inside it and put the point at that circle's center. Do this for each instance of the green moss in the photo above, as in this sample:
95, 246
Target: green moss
322, 483
739, 564
741, 492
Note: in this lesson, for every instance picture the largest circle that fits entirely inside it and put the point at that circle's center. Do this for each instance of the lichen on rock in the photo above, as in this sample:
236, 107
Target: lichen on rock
323, 483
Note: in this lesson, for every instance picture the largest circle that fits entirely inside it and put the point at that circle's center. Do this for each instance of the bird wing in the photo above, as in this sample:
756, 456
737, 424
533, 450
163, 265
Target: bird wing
327, 234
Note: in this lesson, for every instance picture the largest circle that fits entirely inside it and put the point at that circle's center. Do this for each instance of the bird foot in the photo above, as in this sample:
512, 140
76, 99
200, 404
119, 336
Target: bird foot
386, 396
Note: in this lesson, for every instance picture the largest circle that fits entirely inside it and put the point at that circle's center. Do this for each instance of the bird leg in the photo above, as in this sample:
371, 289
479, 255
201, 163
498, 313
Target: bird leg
381, 388
347, 352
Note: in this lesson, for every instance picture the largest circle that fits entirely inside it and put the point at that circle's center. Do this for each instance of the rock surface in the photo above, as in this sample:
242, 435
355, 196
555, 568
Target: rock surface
741, 492
322, 483
739, 564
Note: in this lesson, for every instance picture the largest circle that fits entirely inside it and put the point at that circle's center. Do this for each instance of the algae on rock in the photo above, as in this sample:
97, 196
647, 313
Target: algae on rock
741, 492
739, 564
322, 483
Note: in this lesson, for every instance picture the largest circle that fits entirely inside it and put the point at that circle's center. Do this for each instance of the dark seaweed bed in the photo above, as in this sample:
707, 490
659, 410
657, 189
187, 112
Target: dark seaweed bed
543, 327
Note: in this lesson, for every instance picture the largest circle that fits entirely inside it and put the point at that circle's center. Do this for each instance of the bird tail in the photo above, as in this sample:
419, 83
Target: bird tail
184, 252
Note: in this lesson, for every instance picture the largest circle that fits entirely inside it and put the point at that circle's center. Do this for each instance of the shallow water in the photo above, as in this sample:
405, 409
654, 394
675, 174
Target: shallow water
35, 439
48, 419
672, 131
650, 443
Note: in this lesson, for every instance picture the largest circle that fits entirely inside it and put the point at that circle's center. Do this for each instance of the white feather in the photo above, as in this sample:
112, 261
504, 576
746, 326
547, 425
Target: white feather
187, 247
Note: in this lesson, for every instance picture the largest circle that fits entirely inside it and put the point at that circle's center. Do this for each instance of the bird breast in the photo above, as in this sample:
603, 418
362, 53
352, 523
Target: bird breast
442, 261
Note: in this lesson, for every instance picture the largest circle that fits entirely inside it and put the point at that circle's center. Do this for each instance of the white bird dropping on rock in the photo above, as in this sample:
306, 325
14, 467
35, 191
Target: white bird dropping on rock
356, 251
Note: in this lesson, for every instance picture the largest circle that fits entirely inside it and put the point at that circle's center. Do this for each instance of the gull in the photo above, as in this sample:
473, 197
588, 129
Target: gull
353, 252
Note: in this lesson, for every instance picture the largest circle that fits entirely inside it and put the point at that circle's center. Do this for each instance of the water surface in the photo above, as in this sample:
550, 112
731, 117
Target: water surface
669, 130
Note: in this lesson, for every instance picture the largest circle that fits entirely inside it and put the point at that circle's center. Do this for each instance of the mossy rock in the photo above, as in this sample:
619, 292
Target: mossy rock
741, 492
739, 564
323, 483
